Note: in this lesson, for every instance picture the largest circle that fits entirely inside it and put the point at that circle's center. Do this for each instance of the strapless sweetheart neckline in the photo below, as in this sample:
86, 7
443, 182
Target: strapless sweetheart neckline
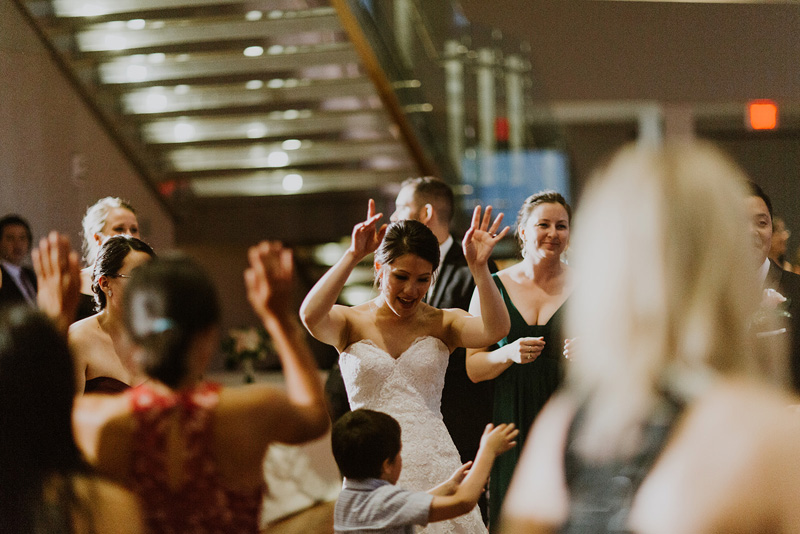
374, 345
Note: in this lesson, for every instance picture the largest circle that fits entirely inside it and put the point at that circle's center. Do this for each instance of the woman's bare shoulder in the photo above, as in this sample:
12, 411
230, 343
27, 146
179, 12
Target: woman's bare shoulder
84, 330
740, 403
509, 272
102, 420
731, 462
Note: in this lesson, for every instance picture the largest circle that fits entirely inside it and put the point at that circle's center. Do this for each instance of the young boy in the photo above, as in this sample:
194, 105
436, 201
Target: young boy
366, 445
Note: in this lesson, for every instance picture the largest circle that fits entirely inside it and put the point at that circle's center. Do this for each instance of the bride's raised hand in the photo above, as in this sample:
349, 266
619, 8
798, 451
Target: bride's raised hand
367, 235
482, 236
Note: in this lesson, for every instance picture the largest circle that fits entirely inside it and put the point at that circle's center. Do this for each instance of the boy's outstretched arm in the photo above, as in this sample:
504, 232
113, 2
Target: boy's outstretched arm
449, 486
494, 442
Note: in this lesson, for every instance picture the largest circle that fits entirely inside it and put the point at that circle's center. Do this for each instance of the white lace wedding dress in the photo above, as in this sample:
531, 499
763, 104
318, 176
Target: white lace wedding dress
409, 389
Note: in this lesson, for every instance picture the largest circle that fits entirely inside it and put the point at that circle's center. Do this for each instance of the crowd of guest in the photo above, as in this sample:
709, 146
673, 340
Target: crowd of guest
645, 386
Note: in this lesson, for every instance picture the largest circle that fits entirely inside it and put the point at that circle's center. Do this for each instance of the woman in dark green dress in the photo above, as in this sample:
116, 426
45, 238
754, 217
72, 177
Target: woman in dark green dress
526, 365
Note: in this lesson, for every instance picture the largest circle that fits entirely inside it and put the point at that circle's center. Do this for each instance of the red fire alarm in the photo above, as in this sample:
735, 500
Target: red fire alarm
762, 115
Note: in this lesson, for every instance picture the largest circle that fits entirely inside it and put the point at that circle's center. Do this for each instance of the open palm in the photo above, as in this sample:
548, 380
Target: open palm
482, 236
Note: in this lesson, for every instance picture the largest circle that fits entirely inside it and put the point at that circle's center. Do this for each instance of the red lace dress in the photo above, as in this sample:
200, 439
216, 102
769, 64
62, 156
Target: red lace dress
201, 504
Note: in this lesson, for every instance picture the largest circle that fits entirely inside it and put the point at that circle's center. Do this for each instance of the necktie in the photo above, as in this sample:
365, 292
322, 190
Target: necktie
28, 291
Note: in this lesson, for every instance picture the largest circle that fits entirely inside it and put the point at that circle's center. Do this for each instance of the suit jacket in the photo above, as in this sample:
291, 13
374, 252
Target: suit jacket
788, 284
10, 293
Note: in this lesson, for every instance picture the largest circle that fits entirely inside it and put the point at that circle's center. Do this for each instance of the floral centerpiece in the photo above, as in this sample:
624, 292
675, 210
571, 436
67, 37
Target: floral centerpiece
248, 348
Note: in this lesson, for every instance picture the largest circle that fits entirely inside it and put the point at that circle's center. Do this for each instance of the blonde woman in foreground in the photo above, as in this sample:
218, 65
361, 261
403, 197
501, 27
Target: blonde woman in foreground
663, 426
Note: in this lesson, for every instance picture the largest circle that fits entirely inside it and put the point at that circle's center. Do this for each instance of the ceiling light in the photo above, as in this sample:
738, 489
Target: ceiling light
136, 73
291, 114
328, 254
156, 102
275, 83
181, 89
91, 10
253, 51
157, 57
291, 144
254, 15
114, 41
184, 132
256, 130
275, 49
254, 84
292, 182
136, 24
278, 159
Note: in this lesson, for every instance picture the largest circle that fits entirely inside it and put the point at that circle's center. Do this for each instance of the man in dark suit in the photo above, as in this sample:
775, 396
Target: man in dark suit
17, 282
784, 282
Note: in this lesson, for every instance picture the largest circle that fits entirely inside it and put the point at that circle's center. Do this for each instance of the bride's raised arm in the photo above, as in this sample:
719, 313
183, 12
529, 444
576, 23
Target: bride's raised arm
319, 312
493, 322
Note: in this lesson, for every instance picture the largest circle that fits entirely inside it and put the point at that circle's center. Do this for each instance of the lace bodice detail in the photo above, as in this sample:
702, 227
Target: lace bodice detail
409, 388
411, 382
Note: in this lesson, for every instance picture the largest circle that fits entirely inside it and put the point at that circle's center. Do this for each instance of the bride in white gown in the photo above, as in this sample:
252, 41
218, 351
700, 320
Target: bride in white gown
394, 348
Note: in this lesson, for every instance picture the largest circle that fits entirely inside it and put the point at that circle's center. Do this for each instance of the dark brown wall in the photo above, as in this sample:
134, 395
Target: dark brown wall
685, 52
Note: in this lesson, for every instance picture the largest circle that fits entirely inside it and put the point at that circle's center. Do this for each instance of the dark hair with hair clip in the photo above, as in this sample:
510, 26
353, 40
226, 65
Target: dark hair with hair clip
408, 237
110, 259
543, 197
167, 302
362, 440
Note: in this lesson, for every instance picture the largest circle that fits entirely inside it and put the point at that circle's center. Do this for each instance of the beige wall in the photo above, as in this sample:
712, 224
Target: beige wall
45, 124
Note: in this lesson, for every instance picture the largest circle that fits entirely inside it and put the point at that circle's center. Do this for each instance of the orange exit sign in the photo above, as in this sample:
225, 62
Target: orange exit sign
762, 115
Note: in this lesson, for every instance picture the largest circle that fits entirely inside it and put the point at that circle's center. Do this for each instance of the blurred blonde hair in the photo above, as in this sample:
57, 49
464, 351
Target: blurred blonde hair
663, 293
93, 222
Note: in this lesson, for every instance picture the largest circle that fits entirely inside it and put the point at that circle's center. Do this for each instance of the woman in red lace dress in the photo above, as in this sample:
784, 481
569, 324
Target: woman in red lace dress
193, 450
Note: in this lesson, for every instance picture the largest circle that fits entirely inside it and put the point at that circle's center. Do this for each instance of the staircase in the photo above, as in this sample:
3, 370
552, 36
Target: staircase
235, 110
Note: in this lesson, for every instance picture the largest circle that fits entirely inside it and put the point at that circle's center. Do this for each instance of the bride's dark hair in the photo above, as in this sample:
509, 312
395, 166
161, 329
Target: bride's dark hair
408, 237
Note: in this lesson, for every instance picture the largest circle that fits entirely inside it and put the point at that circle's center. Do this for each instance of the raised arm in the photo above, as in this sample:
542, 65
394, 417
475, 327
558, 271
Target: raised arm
301, 413
58, 279
491, 322
494, 442
319, 313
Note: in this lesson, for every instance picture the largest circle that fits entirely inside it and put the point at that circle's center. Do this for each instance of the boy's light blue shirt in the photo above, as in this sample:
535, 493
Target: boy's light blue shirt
374, 506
